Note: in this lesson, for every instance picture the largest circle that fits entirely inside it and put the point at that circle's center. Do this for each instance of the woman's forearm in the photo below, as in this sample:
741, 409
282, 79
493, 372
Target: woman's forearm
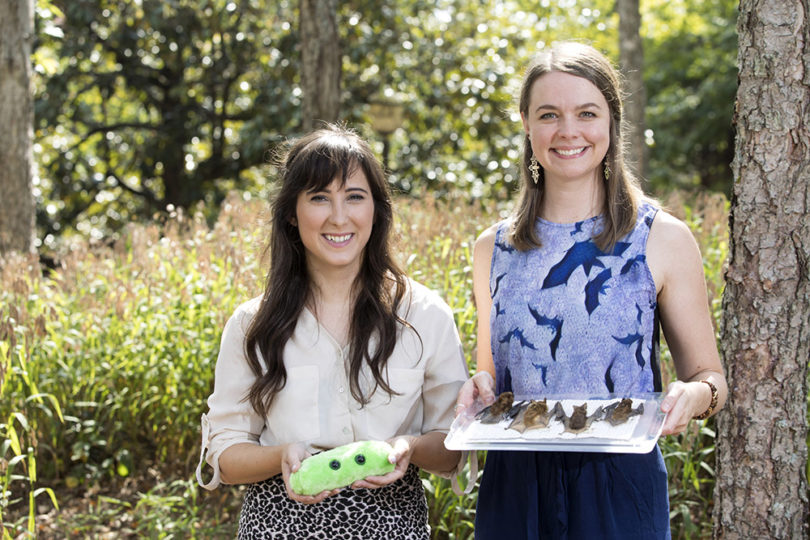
247, 463
431, 454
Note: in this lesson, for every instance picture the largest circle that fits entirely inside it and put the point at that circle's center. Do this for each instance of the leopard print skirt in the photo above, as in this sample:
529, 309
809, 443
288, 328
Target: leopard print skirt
396, 511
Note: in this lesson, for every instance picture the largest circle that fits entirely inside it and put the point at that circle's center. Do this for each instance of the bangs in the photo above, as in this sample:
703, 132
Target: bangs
325, 160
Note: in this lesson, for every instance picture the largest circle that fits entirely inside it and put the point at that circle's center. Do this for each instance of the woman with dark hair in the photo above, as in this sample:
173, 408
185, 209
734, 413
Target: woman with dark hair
341, 347
586, 268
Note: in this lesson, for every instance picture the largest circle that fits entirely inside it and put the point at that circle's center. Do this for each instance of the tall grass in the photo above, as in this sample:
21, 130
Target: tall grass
690, 456
106, 363
32, 412
124, 338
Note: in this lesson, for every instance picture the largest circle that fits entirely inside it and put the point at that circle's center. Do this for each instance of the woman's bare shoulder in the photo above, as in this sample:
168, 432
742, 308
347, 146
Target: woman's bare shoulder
670, 232
486, 240
672, 251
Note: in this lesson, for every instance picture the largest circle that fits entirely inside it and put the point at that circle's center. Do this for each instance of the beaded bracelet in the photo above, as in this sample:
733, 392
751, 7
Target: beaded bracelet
708, 412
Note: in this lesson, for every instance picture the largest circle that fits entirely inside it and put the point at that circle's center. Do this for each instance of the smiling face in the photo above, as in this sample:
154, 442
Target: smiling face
568, 122
335, 223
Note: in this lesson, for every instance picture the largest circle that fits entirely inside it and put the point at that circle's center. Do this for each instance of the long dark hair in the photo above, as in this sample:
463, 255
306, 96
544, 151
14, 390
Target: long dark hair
622, 193
311, 164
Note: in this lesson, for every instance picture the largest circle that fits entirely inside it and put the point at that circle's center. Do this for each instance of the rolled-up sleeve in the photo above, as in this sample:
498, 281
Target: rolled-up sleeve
445, 369
231, 419
445, 372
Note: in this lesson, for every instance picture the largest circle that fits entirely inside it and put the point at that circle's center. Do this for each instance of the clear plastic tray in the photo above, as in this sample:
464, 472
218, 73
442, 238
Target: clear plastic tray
638, 435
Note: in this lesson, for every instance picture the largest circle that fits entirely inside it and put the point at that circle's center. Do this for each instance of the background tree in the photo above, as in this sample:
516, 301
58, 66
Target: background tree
321, 62
761, 489
150, 104
16, 119
631, 63
142, 105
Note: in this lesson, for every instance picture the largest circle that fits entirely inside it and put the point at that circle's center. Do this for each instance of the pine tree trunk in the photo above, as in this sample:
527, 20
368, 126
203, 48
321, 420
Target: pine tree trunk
16, 126
320, 62
631, 64
761, 489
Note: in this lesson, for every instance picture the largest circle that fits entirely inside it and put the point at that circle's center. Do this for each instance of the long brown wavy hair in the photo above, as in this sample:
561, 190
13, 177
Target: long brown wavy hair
311, 164
622, 193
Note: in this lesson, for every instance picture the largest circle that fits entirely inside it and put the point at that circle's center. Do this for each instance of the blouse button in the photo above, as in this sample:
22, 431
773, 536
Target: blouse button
341, 389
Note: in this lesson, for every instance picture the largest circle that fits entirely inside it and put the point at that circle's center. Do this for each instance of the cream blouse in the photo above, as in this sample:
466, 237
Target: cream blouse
316, 406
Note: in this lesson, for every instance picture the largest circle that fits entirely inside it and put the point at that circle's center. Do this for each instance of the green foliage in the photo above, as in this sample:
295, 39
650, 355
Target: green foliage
690, 55
690, 456
451, 516
107, 362
125, 339
706, 215
690, 465
142, 105
168, 510
146, 104
458, 75
19, 427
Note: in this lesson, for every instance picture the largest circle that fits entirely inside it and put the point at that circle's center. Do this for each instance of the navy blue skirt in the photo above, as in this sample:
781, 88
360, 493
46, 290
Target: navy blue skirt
572, 495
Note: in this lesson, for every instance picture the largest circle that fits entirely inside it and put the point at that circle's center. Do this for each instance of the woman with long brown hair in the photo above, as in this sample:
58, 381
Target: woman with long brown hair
341, 347
570, 292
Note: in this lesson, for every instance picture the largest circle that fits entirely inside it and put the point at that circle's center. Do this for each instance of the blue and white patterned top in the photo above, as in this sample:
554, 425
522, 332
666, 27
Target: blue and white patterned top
569, 319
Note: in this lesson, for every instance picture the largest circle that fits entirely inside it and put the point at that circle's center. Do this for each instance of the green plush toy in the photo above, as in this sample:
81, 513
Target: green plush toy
341, 467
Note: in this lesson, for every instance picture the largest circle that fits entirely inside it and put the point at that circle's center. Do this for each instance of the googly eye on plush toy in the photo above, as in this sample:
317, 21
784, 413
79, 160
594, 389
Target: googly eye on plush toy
342, 466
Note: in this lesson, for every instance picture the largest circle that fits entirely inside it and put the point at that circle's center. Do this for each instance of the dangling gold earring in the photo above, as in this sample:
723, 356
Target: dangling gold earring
534, 167
607, 171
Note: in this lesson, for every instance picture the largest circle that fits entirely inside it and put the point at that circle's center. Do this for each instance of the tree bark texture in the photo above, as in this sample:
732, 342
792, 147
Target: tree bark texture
16, 126
761, 489
631, 65
320, 62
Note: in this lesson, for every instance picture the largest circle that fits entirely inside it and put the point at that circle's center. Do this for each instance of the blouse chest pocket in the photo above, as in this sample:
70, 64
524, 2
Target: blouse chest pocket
387, 414
294, 414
